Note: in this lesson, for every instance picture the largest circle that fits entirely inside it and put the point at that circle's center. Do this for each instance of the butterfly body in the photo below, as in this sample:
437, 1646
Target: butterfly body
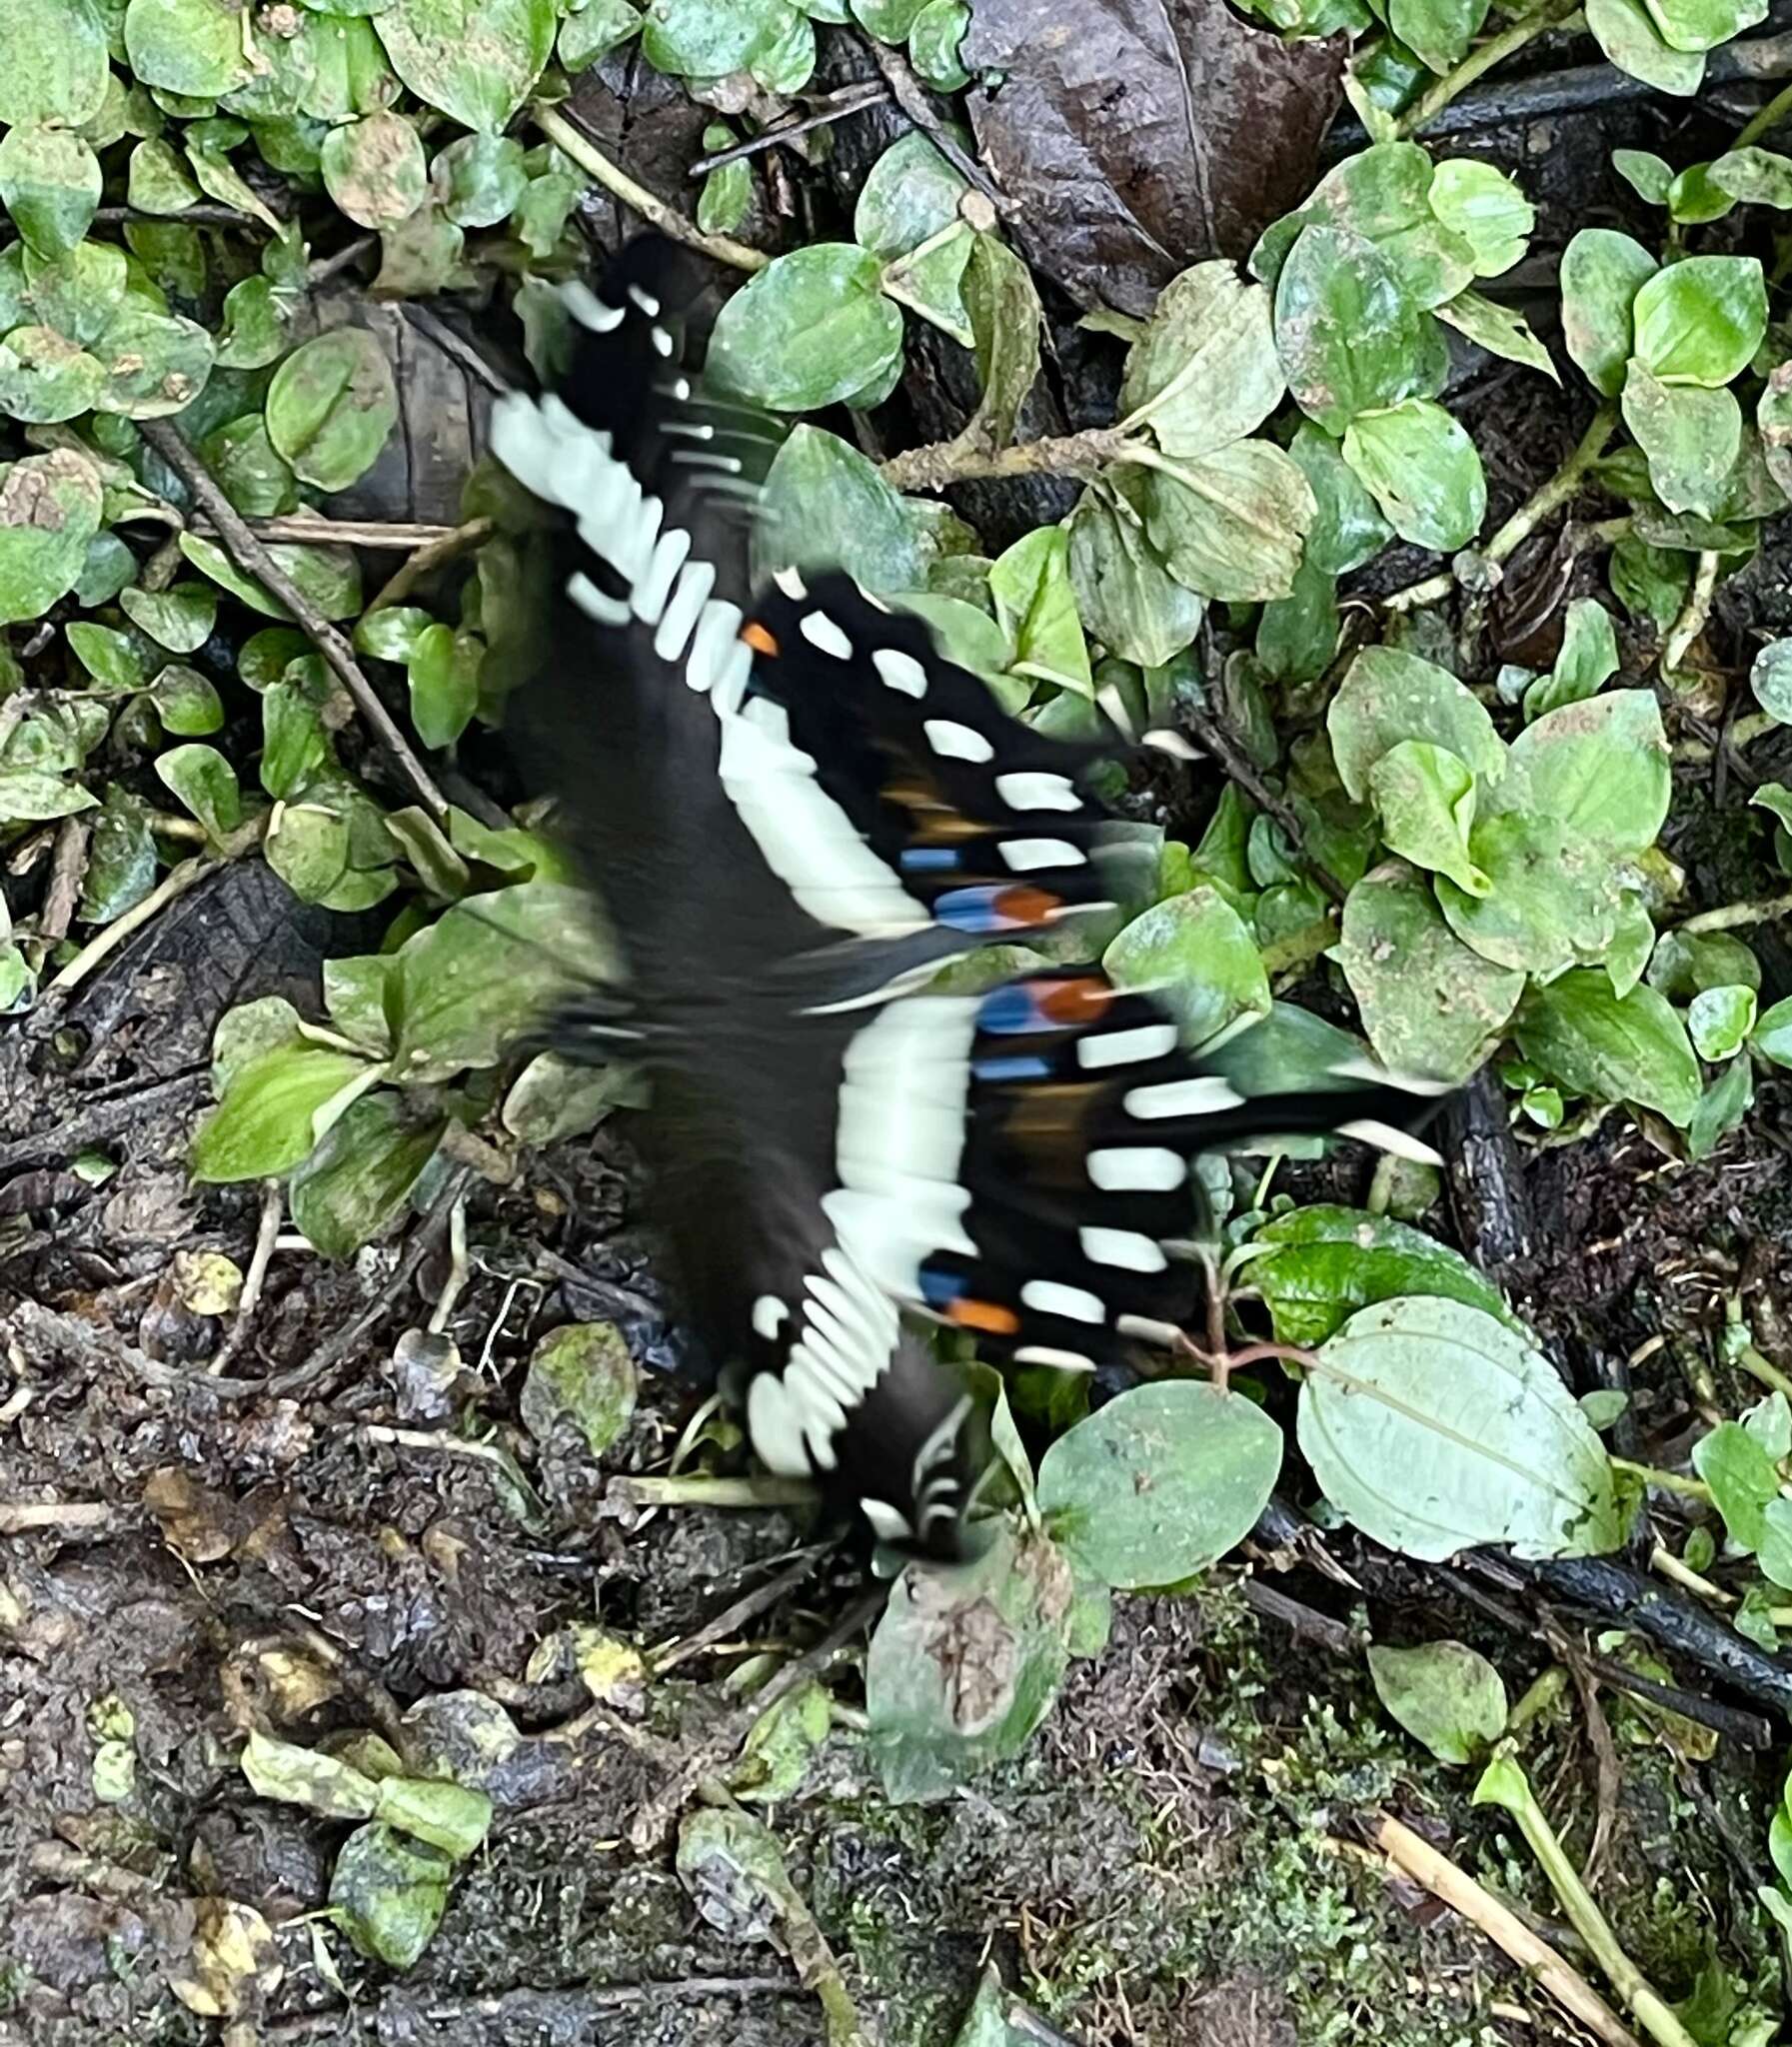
794, 808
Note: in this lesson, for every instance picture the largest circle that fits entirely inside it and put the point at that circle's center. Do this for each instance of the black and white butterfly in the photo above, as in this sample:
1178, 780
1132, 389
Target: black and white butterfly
794, 808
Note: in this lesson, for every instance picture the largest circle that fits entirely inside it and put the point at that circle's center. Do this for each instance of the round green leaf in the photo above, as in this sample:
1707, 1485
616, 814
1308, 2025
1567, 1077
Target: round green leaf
1350, 337
1161, 1482
584, 1373
1195, 951
52, 62
155, 363
1445, 1696
1231, 525
180, 617
49, 511
1602, 272
444, 678
186, 702
1703, 24
1624, 31
1387, 696
388, 1893
480, 178
476, 60
933, 42
1486, 208
1432, 1427
375, 170
253, 477
1425, 797
1613, 1048
810, 330
1437, 31
356, 1184
706, 38
824, 504
194, 47
1127, 598
1771, 679
1700, 321
50, 184
1691, 435
1422, 470
1719, 1019
1206, 372
331, 406
329, 576
598, 28
1348, 530
1599, 768
909, 194
45, 377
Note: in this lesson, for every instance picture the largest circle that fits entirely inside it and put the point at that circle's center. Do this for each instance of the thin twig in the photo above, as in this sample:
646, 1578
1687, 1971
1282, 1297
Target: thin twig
67, 866
17, 1517
1737, 916
910, 95
173, 885
1749, 1730
1479, 61
952, 462
98, 1124
273, 1207
1417, 1859
441, 546
658, 1813
1691, 621
732, 1618
252, 557
576, 144
394, 535
854, 100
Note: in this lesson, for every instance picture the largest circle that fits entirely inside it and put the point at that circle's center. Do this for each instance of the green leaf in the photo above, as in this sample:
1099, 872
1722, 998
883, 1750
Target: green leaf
598, 28
1684, 965
1701, 320
1742, 1479
247, 469
1431, 1005
50, 184
1231, 525
1772, 1036
909, 194
1382, 195
1161, 1482
473, 60
1486, 208
1771, 679
331, 407
726, 195
1691, 437
1500, 330
33, 794
1006, 318
584, 1375
1647, 174
1721, 1110
480, 178
1439, 32
1776, 1564
1426, 795
274, 1110
1298, 635
1632, 1047
1195, 951
964, 1664
1127, 598
158, 180
1703, 24
444, 681
121, 858
1588, 662
1389, 696
933, 42
1760, 177
294, 742
446, 1816
1433, 1427
1602, 273
825, 505
1447, 1697
1720, 1019
1599, 768
49, 511
1035, 606
1422, 470
52, 63
1350, 337
186, 702
375, 170
116, 661
1204, 373
306, 1777
810, 330
328, 576
465, 987
179, 618
1348, 530
388, 1893
195, 47
46, 379
207, 783
707, 38
1627, 35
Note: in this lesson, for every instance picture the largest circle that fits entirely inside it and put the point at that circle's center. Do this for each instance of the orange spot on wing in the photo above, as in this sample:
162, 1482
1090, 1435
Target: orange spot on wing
1075, 1002
987, 1315
758, 637
1026, 906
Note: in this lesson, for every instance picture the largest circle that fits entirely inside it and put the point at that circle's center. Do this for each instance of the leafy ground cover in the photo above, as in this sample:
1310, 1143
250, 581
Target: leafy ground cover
389, 1650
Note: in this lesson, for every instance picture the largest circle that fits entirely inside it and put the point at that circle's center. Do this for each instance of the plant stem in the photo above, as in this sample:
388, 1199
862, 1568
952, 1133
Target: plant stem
760, 1490
1664, 1481
1478, 62
946, 461
1691, 621
1505, 1784
1762, 1369
574, 143
1770, 116
1734, 916
1544, 501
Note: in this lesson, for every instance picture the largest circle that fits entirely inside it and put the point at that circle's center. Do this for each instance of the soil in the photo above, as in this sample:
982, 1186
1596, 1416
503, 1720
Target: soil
1177, 1860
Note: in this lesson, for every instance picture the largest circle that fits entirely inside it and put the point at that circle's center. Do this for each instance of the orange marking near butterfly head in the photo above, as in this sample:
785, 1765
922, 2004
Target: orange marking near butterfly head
1074, 1001
987, 1315
758, 637
1026, 906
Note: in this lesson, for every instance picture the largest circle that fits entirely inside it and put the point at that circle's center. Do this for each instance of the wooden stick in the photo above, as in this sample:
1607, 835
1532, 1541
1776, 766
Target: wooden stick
1417, 1859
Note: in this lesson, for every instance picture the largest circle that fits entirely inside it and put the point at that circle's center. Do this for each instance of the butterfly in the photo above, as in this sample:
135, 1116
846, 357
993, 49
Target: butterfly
794, 809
